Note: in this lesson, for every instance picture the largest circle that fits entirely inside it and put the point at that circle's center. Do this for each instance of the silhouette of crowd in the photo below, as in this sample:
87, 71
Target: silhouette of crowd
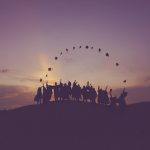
74, 92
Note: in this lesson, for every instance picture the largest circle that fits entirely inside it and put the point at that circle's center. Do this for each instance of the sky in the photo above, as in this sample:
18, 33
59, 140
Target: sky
33, 32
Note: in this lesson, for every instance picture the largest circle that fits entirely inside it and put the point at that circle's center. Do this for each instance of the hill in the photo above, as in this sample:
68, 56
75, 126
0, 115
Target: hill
71, 125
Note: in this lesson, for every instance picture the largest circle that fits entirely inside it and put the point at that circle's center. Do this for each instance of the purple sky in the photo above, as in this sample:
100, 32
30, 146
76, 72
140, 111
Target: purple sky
33, 32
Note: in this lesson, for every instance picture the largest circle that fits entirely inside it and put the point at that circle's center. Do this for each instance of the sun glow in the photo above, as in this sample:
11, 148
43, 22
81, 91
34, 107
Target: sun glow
43, 70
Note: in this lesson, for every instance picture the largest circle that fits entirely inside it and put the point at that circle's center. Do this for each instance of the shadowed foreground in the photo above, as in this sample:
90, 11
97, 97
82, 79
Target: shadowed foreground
71, 125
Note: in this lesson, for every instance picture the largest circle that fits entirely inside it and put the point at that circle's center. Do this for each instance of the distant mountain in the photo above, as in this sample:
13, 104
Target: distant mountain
71, 125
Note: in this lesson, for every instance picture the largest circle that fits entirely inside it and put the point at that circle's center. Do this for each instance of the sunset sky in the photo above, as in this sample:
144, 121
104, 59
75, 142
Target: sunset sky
33, 32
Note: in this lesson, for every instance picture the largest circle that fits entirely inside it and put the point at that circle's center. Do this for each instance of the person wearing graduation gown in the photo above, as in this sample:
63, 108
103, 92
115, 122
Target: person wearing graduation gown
38, 97
44, 95
49, 92
56, 91
121, 100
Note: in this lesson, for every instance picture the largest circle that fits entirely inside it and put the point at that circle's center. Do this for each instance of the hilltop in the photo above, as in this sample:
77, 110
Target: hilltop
72, 125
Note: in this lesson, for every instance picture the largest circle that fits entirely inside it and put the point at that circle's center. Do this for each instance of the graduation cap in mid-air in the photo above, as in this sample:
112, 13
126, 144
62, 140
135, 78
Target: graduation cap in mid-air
50, 69
99, 50
74, 48
40, 80
86, 47
117, 64
67, 50
107, 54
124, 81
80, 47
4, 70
56, 58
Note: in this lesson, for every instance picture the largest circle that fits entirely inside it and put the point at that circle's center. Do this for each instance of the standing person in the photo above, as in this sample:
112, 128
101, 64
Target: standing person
69, 90
44, 95
38, 97
78, 92
49, 92
74, 90
56, 91
121, 100
113, 100
61, 91
93, 94
100, 91
84, 94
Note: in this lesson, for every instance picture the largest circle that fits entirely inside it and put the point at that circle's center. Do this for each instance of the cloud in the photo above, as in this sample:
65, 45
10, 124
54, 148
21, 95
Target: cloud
25, 78
147, 79
15, 96
31, 79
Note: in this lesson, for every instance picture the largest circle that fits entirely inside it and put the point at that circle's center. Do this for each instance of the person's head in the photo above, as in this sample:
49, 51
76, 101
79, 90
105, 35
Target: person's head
55, 83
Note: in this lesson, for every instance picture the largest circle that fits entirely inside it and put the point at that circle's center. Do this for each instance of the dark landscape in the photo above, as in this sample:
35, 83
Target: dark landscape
75, 125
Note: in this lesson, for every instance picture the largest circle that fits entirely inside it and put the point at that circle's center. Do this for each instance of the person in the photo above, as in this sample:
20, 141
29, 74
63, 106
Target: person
118, 102
69, 90
88, 96
49, 92
61, 87
113, 100
121, 100
78, 92
56, 91
44, 95
103, 96
38, 97
99, 94
74, 87
65, 92
84, 94
93, 94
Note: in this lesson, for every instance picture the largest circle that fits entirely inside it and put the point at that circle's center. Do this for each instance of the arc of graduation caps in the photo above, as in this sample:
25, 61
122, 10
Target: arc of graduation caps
86, 47
67, 50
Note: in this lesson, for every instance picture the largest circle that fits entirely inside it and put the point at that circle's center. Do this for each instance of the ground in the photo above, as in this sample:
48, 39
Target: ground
71, 125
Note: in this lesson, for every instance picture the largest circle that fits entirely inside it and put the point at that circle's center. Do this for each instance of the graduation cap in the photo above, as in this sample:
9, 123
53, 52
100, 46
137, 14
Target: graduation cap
40, 80
80, 47
56, 58
124, 81
4, 70
99, 50
50, 69
107, 54
86, 47
61, 53
74, 48
92, 47
117, 64
67, 50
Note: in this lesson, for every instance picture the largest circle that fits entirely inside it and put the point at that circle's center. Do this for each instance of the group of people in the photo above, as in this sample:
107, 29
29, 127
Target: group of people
74, 92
